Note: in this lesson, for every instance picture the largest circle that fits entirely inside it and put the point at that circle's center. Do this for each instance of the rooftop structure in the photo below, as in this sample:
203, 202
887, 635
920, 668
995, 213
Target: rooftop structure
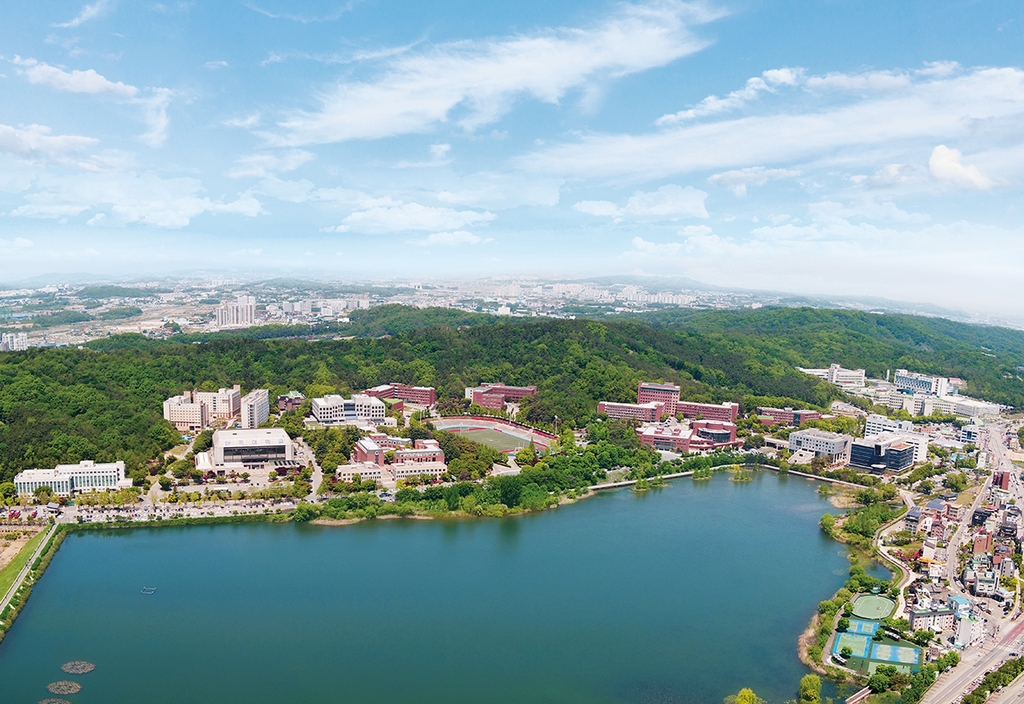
68, 479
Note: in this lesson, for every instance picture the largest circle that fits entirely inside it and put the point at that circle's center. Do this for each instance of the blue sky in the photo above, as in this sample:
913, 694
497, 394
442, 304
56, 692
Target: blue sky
823, 147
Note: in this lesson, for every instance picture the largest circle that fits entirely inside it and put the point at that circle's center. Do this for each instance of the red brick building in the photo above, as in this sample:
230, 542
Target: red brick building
709, 411
667, 394
495, 396
643, 412
422, 395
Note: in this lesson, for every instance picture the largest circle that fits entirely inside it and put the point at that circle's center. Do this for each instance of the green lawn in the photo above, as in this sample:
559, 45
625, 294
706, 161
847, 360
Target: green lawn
493, 438
9, 573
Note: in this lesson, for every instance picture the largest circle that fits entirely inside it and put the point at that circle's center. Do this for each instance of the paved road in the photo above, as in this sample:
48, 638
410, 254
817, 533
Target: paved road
28, 566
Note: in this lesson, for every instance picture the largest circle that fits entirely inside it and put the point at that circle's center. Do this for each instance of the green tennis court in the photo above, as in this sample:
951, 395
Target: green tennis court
859, 644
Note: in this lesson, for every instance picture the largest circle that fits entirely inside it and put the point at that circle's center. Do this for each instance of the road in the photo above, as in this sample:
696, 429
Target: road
306, 454
25, 570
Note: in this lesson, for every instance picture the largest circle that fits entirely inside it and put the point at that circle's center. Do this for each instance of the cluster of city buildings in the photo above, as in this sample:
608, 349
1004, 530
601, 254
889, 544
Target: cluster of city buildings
239, 314
13, 341
193, 411
996, 527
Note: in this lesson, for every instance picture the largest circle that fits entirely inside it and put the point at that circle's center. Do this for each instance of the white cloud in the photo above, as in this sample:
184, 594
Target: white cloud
18, 242
669, 202
644, 247
440, 151
304, 19
450, 239
36, 140
127, 198
712, 104
929, 108
155, 114
244, 122
88, 12
418, 90
502, 191
214, 65
695, 230
739, 179
387, 215
264, 164
945, 165
74, 81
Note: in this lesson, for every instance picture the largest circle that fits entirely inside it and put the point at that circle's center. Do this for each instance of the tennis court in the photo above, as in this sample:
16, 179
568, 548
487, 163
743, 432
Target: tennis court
864, 627
896, 653
859, 644
873, 607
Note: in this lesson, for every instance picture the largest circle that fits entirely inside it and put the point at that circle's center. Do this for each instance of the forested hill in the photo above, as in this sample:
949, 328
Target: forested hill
59, 405
989, 358
62, 405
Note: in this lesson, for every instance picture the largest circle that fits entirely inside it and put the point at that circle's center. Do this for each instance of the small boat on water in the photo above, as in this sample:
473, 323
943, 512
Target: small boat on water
149, 590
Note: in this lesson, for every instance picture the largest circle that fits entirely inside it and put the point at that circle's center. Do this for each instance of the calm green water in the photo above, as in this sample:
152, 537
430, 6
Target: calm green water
680, 595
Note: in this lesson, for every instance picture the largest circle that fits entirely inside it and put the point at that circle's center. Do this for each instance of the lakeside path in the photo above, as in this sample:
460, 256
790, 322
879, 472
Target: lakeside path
19, 580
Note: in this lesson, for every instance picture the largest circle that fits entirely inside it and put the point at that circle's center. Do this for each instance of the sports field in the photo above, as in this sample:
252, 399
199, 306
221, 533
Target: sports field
873, 607
859, 644
505, 442
864, 627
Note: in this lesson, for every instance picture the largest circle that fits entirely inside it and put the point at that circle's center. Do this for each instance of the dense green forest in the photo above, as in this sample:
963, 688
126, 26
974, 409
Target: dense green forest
989, 358
104, 402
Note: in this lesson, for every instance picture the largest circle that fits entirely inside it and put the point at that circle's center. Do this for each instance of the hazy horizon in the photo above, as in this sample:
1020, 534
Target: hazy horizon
839, 149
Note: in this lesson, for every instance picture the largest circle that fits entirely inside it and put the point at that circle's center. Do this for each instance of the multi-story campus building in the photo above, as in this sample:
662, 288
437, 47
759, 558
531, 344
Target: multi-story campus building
698, 436
223, 404
789, 416
240, 314
884, 452
333, 409
186, 414
643, 412
495, 396
835, 374
290, 401
709, 411
255, 408
421, 451
920, 383
252, 448
821, 443
667, 394
880, 424
368, 451
68, 479
421, 395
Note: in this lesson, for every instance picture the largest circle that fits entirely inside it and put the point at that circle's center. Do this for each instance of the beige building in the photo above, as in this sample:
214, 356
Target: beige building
223, 404
186, 414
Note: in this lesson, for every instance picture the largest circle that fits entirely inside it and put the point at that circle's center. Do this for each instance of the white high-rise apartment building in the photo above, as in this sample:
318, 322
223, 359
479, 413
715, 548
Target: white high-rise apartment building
240, 314
255, 408
13, 342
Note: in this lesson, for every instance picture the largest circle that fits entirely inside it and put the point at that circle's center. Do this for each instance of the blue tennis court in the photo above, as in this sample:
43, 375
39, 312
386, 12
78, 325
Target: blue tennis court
865, 627
859, 644
896, 653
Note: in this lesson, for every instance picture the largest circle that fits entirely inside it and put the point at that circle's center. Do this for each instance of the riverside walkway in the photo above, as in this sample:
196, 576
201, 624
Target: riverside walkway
19, 580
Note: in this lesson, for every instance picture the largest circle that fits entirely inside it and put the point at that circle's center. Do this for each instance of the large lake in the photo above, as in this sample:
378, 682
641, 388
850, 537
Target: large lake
679, 595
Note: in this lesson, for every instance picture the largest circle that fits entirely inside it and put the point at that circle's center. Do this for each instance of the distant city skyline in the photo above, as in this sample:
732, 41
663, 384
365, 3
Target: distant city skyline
858, 149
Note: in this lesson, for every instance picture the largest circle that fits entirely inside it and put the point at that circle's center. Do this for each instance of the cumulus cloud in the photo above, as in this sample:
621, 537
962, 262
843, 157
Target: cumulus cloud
695, 231
713, 104
74, 81
388, 215
36, 141
418, 90
129, 198
450, 239
88, 12
929, 108
945, 165
644, 247
669, 202
738, 180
